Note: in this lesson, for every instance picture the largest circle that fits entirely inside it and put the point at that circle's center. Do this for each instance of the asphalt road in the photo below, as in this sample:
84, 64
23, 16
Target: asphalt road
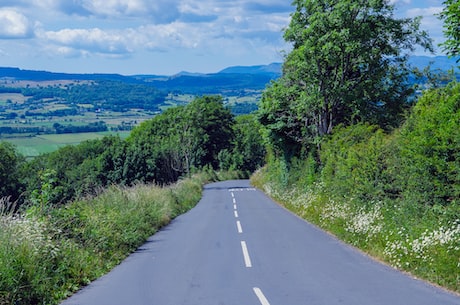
237, 247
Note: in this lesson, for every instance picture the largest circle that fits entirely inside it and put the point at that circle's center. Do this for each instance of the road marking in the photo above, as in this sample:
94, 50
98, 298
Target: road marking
236, 214
263, 300
238, 225
242, 189
233, 195
247, 259
234, 207
234, 200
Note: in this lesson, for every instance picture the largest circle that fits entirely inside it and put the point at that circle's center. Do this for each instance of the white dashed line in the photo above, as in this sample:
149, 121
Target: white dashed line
263, 300
234, 200
234, 207
238, 226
236, 214
233, 195
247, 259
242, 189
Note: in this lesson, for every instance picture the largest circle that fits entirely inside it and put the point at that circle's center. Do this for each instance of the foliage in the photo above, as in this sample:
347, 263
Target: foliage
347, 65
394, 195
451, 17
430, 148
10, 171
355, 162
248, 150
185, 137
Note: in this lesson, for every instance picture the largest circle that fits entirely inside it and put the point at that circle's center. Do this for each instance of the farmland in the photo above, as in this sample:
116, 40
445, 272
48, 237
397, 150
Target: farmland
40, 117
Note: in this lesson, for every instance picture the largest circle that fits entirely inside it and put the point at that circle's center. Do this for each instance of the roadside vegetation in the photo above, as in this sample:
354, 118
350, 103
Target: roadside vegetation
354, 149
48, 252
394, 195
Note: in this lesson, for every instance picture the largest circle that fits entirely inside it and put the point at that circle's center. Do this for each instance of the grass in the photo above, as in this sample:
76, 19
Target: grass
47, 253
33, 145
14, 97
417, 239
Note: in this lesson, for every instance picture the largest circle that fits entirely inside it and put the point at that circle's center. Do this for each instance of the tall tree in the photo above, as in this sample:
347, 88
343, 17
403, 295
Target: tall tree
348, 64
451, 17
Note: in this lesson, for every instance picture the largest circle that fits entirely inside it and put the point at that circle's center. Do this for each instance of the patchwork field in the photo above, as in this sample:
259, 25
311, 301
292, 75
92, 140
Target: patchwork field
34, 145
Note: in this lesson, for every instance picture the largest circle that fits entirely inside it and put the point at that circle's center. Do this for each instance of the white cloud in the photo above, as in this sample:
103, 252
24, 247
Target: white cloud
90, 40
14, 25
427, 11
393, 2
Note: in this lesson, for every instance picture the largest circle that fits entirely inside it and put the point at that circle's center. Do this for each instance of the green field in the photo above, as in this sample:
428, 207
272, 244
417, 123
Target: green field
32, 146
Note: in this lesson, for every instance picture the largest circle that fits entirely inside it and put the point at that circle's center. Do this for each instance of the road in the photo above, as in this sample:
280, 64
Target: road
237, 247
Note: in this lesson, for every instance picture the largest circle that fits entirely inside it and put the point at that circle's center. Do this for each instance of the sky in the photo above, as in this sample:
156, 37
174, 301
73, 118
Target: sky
160, 37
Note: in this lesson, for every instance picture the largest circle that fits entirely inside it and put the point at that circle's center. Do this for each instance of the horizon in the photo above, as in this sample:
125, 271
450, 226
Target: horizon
434, 56
163, 38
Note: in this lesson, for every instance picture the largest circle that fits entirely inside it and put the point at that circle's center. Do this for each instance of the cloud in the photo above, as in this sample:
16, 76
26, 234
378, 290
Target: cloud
428, 11
393, 2
90, 40
130, 29
14, 25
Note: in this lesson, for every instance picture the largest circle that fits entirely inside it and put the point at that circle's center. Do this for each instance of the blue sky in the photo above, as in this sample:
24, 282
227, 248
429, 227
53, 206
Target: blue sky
156, 36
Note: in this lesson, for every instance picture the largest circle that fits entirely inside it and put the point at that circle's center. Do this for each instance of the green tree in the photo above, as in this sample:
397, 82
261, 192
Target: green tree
211, 131
183, 138
248, 147
451, 17
10, 178
347, 65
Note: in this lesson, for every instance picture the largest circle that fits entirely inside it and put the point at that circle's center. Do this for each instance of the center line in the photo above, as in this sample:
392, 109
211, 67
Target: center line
233, 195
238, 225
234, 206
236, 214
234, 200
263, 300
247, 259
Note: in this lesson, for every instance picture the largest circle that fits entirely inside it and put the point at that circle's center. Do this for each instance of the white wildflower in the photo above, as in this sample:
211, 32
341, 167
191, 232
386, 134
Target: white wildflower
366, 222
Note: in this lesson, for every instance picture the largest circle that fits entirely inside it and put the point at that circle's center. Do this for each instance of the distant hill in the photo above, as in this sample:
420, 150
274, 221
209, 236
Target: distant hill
273, 68
231, 80
31, 75
436, 62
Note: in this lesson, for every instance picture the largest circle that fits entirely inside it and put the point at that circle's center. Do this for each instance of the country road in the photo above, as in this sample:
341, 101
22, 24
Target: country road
237, 247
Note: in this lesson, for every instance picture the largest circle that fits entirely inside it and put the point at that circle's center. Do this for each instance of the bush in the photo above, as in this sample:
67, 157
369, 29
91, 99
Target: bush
354, 163
430, 148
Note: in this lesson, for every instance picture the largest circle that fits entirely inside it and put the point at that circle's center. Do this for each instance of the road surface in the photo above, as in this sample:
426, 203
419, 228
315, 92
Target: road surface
237, 247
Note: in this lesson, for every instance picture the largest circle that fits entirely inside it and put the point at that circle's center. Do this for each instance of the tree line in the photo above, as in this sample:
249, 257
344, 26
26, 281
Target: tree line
179, 141
345, 98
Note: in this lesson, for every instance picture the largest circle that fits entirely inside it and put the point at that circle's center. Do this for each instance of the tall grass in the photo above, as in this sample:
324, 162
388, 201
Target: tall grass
47, 254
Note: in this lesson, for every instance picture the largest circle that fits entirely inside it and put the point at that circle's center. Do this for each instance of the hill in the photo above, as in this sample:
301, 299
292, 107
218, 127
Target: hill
233, 80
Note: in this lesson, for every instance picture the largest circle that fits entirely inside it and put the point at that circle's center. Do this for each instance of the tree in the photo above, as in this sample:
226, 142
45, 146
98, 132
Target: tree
451, 17
183, 138
10, 162
347, 65
211, 131
248, 147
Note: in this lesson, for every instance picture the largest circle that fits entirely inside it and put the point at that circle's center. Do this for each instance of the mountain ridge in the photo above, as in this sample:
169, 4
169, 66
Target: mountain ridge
274, 69
233, 79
